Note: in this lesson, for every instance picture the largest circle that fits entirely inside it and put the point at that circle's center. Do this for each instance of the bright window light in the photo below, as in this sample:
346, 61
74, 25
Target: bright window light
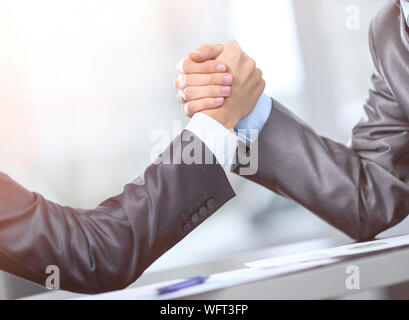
266, 31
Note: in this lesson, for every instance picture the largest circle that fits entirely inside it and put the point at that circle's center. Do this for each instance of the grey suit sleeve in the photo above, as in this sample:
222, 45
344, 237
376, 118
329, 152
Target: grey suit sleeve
361, 190
109, 247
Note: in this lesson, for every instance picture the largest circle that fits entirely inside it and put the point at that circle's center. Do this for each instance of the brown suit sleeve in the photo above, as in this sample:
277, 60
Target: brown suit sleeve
109, 247
361, 190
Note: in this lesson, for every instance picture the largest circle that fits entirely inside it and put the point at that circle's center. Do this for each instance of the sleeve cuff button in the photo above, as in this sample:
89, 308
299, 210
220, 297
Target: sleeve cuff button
211, 203
187, 226
195, 218
202, 211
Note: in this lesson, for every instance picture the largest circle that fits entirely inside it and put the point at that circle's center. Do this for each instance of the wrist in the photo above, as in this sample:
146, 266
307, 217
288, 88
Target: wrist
228, 119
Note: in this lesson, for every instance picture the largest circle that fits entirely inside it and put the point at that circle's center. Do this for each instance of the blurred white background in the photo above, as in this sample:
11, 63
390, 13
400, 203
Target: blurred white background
83, 83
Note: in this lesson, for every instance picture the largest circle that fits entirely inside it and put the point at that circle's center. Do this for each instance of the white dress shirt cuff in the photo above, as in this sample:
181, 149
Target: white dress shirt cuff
217, 138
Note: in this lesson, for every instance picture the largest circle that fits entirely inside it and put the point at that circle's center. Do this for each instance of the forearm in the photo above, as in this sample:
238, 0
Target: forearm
109, 247
353, 193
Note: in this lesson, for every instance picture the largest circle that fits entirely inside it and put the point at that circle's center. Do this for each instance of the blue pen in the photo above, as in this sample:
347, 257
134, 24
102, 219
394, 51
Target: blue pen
182, 285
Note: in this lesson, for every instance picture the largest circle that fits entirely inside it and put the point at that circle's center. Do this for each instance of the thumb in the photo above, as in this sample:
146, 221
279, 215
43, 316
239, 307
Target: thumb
206, 52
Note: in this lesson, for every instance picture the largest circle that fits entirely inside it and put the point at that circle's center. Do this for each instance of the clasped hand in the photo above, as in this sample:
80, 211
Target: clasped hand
221, 81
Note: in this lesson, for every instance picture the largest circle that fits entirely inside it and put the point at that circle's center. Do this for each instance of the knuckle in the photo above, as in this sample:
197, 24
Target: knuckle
229, 44
183, 81
186, 66
188, 93
259, 73
186, 109
180, 66
180, 99
262, 85
232, 44
251, 63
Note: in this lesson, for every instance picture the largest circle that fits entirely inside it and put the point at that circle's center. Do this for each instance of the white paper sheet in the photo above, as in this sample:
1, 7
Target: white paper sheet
338, 252
256, 271
215, 282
